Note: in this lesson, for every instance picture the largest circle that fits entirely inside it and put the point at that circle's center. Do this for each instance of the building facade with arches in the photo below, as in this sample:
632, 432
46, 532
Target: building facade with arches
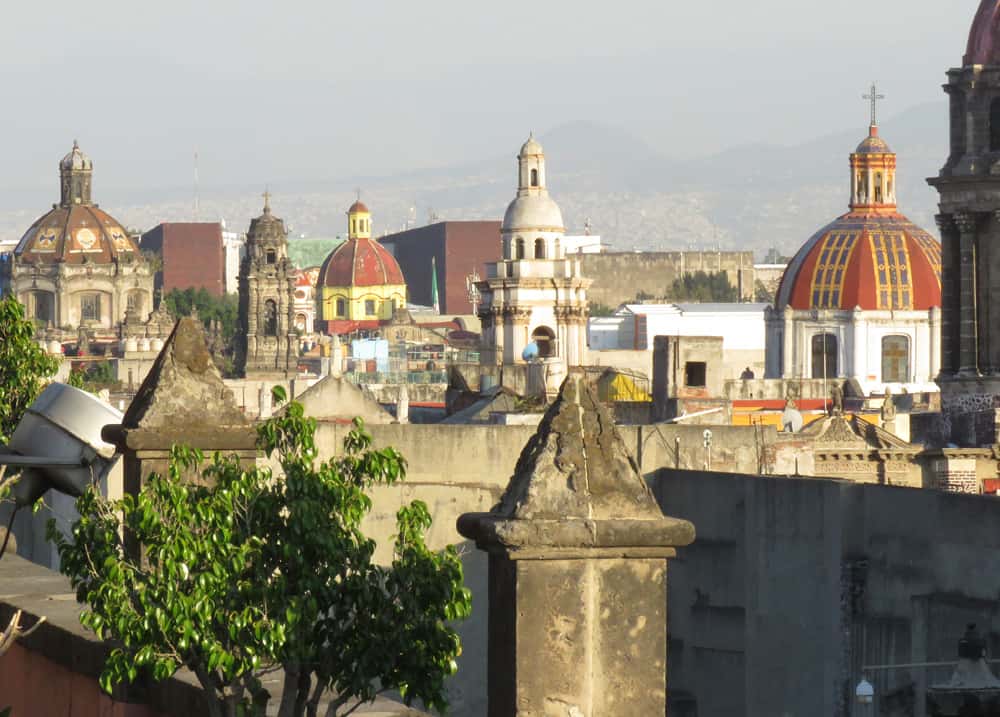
267, 343
862, 298
360, 283
76, 269
533, 301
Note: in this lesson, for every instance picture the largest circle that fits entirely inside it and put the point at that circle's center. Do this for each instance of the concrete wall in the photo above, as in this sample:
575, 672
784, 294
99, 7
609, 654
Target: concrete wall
618, 277
794, 584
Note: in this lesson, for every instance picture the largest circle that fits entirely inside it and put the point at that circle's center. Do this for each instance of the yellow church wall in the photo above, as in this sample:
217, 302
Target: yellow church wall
356, 296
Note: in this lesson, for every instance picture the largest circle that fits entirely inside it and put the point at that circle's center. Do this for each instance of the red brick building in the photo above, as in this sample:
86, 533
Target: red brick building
458, 249
192, 253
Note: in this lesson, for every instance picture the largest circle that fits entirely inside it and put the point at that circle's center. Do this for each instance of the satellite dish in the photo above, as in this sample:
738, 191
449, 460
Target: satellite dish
530, 352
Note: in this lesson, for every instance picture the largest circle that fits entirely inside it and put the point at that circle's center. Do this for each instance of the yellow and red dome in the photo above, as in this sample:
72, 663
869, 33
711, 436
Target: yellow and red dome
360, 262
872, 261
984, 36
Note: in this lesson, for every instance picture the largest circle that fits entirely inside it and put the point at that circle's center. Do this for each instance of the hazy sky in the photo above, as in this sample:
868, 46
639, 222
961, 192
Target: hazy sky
329, 91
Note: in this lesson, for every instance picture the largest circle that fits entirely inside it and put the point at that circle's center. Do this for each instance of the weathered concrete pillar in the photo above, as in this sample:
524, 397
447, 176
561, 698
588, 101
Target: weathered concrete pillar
661, 378
182, 401
578, 554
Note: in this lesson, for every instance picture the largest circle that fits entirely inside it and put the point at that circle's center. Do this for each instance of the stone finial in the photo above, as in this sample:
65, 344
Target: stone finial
184, 389
576, 485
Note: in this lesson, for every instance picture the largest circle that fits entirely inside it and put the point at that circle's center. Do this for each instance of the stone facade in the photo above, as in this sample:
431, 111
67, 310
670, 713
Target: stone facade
266, 342
969, 187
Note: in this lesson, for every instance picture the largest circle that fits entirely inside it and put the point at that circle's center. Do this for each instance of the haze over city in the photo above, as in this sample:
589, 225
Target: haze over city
423, 105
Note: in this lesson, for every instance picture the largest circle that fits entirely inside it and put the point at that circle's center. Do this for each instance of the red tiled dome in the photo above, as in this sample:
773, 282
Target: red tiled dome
875, 261
73, 235
360, 262
358, 206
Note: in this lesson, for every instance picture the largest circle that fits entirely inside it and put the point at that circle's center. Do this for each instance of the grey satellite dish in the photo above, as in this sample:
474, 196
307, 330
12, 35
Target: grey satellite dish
58, 443
791, 420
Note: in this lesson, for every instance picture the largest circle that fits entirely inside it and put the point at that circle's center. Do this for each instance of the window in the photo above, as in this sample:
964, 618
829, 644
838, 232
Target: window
878, 188
895, 359
41, 306
695, 373
270, 318
539, 248
341, 307
534, 177
824, 356
555, 248
545, 339
271, 256
369, 307
519, 248
90, 307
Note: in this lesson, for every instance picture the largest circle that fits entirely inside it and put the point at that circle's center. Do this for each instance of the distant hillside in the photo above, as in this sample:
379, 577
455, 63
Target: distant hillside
747, 197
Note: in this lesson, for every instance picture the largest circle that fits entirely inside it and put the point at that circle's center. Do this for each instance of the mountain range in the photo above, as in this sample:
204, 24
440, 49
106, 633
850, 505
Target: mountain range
754, 197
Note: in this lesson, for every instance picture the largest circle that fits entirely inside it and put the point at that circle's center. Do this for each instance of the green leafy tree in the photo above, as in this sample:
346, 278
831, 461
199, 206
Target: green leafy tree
25, 367
223, 309
246, 572
703, 287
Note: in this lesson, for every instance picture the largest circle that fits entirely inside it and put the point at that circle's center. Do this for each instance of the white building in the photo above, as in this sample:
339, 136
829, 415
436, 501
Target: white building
234, 251
861, 299
633, 327
534, 300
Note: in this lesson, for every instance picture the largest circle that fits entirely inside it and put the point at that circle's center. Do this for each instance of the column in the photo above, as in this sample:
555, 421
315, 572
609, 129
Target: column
968, 345
859, 355
934, 330
949, 309
788, 368
578, 554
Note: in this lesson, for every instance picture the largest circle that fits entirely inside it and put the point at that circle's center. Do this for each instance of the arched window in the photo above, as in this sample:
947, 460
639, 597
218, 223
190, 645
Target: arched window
539, 248
895, 359
341, 307
534, 177
519, 248
272, 257
545, 339
824, 356
90, 307
40, 306
270, 318
995, 125
878, 188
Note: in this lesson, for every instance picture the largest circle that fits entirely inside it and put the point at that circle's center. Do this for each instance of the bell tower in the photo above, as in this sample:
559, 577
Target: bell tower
267, 345
969, 220
75, 172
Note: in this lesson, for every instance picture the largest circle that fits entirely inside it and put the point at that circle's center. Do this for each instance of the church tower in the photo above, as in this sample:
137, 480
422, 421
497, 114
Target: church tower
534, 300
267, 345
969, 220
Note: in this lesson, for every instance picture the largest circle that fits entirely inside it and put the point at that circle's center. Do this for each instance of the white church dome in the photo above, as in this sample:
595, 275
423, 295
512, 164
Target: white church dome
533, 211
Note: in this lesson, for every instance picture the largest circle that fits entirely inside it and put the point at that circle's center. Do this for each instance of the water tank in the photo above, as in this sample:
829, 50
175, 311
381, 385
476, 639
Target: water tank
530, 352
63, 423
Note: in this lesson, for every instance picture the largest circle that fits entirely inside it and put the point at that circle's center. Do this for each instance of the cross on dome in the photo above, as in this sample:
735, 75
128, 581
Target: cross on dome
267, 201
874, 97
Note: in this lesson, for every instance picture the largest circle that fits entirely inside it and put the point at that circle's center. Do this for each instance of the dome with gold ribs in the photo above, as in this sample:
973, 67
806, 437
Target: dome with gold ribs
873, 257
75, 231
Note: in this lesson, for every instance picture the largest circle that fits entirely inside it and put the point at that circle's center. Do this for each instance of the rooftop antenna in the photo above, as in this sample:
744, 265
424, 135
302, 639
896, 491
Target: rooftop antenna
197, 191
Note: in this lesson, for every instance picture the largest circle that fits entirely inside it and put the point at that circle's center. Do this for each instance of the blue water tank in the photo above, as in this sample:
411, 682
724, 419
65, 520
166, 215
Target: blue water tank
530, 352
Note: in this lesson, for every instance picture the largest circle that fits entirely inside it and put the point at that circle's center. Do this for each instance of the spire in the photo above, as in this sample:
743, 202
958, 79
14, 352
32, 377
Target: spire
873, 166
267, 201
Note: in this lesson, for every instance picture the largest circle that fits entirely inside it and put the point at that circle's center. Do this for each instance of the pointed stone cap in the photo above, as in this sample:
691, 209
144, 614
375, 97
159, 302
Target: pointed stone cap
183, 399
576, 487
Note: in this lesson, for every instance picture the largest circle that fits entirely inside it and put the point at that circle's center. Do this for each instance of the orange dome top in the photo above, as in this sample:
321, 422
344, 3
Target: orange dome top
73, 235
360, 262
358, 206
873, 261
